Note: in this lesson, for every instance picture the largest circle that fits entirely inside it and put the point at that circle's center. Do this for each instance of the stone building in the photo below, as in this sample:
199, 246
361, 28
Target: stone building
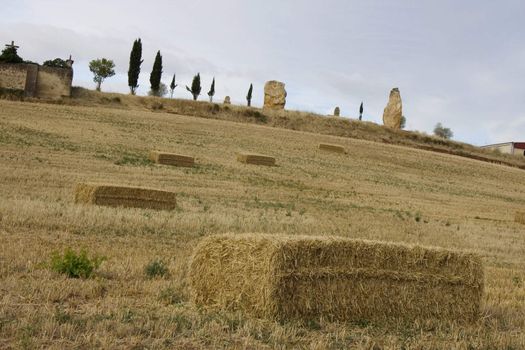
34, 80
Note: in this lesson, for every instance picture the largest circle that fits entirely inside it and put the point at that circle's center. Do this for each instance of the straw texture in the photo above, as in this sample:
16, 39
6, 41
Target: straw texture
171, 159
257, 159
303, 277
332, 148
123, 196
519, 217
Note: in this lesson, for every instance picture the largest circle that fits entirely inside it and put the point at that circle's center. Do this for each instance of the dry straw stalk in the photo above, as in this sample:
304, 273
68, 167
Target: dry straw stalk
302, 277
332, 147
257, 159
519, 217
124, 196
171, 159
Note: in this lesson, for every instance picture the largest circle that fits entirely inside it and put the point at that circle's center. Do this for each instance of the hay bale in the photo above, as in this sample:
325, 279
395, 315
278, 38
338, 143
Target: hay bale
258, 159
332, 148
302, 277
171, 159
519, 217
123, 196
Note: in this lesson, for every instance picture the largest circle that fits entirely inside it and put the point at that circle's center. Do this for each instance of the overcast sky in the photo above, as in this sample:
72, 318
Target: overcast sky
461, 63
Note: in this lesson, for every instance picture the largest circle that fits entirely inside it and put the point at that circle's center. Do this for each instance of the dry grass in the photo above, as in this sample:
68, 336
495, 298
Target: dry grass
124, 196
519, 217
310, 278
257, 159
332, 148
377, 192
171, 159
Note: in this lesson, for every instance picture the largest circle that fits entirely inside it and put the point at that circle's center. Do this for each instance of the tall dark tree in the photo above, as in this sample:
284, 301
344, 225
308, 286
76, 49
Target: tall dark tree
211, 93
135, 60
156, 74
195, 87
172, 86
361, 111
10, 54
249, 96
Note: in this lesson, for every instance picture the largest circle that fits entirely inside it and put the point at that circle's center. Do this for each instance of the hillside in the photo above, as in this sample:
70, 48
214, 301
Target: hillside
377, 191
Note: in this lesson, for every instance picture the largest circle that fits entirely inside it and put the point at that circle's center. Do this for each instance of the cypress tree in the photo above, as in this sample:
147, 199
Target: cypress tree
172, 86
249, 96
361, 111
195, 86
135, 60
212, 90
156, 74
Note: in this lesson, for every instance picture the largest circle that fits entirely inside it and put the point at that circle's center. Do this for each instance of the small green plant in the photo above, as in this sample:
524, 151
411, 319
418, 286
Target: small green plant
156, 268
75, 265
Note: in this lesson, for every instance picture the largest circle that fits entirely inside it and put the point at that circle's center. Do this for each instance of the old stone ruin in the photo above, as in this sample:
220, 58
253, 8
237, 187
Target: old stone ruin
274, 95
393, 112
30, 79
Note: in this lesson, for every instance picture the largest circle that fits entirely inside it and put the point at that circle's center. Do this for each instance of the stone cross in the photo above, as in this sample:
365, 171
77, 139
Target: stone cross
12, 46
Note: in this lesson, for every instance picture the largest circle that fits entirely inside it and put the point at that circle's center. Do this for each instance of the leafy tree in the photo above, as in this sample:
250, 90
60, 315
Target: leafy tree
361, 111
10, 55
156, 74
101, 68
403, 122
443, 132
195, 87
135, 60
161, 92
172, 86
212, 90
57, 62
249, 96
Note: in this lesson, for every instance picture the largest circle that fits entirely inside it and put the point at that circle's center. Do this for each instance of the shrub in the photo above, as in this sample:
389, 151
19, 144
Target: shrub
57, 63
443, 132
156, 268
75, 265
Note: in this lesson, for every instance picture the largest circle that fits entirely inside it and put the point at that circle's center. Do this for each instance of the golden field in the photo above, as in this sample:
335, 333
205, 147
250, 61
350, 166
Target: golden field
375, 191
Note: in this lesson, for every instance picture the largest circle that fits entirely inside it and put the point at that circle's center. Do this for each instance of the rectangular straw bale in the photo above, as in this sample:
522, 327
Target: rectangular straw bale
124, 196
519, 217
171, 159
258, 159
332, 148
302, 277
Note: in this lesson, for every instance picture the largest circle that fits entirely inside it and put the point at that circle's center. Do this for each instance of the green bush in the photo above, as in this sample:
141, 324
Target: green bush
156, 268
75, 265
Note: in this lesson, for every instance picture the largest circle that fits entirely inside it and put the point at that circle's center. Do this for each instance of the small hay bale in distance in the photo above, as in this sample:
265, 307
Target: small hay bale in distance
519, 217
303, 278
258, 159
332, 148
124, 196
171, 159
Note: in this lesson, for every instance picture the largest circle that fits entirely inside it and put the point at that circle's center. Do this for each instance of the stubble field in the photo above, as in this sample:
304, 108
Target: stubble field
376, 191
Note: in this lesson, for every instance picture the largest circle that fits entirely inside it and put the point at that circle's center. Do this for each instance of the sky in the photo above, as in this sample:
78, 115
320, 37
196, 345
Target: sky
461, 63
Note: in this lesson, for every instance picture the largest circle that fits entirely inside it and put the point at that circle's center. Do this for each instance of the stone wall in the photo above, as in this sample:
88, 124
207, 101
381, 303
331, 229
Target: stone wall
13, 76
35, 80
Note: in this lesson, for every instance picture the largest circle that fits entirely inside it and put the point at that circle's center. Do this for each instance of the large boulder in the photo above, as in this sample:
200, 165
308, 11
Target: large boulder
274, 95
393, 113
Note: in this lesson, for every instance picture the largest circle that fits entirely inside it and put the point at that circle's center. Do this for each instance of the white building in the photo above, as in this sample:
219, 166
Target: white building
516, 148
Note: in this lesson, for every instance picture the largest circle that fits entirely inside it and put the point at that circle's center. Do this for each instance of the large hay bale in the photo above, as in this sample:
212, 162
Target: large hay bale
519, 217
123, 196
258, 159
332, 148
171, 159
302, 277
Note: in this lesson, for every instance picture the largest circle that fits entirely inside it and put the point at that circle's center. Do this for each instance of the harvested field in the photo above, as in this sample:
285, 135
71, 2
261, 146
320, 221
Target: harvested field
519, 217
257, 159
304, 277
332, 148
171, 159
124, 196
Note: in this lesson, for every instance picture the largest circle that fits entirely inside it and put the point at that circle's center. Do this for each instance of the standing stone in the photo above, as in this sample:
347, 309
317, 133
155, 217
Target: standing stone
337, 112
274, 95
227, 100
393, 111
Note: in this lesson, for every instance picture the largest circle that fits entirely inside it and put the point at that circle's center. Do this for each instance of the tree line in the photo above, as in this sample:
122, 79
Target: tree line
103, 68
